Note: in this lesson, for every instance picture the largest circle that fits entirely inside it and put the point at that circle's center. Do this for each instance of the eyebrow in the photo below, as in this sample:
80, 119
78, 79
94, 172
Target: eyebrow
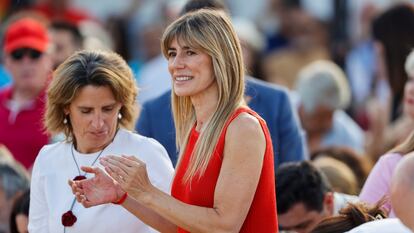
184, 48
105, 106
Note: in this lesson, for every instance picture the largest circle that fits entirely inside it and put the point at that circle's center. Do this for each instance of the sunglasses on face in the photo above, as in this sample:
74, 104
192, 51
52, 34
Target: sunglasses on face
18, 54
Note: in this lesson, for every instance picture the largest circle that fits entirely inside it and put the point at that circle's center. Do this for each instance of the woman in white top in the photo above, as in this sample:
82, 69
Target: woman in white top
92, 101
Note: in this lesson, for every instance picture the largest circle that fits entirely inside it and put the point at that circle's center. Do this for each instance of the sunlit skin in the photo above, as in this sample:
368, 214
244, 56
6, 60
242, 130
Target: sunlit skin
94, 115
21, 223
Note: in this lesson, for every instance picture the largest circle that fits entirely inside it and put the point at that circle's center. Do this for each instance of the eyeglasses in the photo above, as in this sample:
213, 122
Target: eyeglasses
18, 54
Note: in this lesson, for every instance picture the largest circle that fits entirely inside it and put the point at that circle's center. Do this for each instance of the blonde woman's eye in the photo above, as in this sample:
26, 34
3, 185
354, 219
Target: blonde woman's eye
189, 53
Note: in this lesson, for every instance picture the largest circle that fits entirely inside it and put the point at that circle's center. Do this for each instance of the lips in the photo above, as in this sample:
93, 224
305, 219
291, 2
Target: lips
100, 133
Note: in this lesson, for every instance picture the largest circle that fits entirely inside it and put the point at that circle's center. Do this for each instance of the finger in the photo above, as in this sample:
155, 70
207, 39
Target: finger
87, 203
115, 176
79, 189
78, 197
114, 161
119, 171
133, 158
72, 186
84, 201
92, 170
123, 160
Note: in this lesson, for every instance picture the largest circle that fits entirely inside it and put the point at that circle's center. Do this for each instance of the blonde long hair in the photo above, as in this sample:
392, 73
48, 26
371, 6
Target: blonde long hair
209, 31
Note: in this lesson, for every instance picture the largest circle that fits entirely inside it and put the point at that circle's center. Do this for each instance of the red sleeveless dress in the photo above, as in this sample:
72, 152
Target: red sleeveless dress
200, 192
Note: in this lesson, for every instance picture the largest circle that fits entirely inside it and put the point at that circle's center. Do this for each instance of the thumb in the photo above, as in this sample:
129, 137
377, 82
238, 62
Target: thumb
92, 170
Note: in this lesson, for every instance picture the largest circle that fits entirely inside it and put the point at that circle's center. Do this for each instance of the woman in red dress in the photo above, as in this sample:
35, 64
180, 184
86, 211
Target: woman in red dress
224, 179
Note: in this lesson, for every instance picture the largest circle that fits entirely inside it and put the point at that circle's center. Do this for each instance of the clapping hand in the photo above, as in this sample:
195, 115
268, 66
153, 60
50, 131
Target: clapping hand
100, 189
130, 173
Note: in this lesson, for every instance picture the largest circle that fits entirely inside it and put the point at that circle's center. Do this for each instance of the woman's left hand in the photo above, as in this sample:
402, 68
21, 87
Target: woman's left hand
130, 173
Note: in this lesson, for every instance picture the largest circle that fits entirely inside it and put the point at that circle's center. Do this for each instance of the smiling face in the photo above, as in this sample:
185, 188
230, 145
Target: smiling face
191, 70
93, 115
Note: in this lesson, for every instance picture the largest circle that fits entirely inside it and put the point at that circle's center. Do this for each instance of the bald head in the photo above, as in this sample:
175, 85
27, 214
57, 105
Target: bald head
402, 190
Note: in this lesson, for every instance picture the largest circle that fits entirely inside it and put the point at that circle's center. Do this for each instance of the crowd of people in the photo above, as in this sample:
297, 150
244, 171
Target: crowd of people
209, 122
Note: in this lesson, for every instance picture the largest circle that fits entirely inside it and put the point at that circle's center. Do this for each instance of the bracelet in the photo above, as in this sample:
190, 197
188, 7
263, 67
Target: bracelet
121, 200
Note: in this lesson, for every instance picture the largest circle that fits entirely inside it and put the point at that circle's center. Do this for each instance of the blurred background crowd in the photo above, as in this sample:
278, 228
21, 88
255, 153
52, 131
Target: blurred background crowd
346, 66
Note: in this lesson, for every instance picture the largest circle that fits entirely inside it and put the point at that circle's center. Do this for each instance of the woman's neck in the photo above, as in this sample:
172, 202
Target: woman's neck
88, 149
204, 105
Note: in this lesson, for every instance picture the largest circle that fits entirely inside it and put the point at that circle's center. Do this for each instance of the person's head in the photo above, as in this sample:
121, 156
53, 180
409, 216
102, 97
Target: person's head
66, 39
92, 93
26, 54
322, 88
204, 57
304, 196
339, 175
393, 29
13, 182
359, 164
19, 217
351, 216
402, 190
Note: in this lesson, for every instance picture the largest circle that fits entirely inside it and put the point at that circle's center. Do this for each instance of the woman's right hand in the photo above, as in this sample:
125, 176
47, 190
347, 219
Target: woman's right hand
100, 189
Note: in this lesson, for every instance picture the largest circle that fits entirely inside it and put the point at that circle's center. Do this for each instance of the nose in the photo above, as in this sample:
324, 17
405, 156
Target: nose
97, 121
177, 62
26, 60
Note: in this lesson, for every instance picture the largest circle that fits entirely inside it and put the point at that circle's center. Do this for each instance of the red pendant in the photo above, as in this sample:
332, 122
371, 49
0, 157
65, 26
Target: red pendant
68, 219
79, 178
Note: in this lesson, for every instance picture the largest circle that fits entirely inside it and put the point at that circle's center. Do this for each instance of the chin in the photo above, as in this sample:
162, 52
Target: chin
181, 93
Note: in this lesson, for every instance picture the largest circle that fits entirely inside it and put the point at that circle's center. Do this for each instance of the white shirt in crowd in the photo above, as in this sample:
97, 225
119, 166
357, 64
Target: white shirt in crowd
388, 225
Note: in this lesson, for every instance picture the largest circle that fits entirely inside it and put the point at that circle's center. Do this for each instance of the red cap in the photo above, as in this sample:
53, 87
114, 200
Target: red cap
26, 33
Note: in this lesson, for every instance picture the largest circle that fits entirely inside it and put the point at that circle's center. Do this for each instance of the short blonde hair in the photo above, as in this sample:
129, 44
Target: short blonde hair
96, 68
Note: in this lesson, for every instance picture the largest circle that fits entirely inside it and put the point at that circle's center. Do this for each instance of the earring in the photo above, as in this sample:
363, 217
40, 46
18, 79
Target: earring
65, 121
119, 116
